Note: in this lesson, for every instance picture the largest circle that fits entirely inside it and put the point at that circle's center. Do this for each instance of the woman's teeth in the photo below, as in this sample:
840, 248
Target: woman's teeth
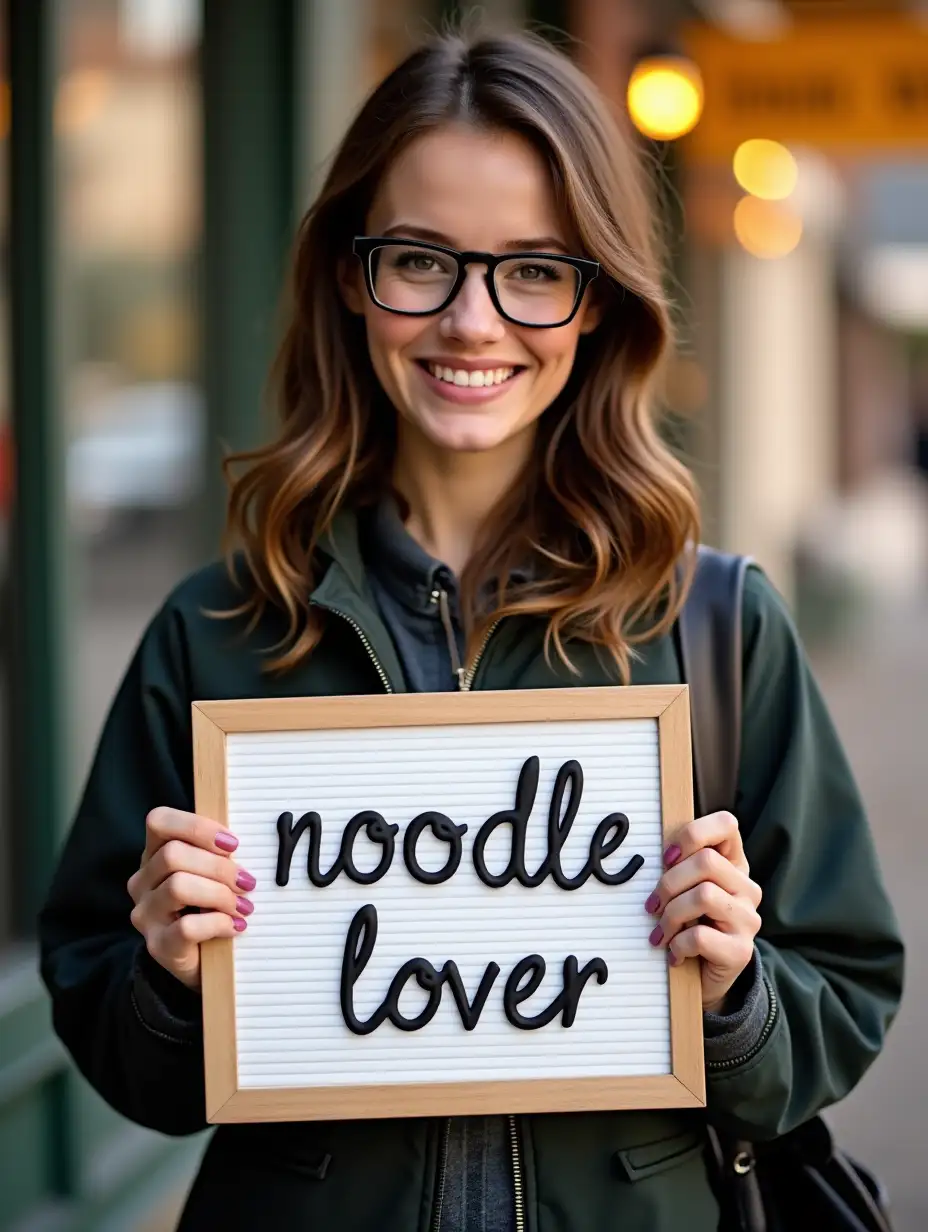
476, 379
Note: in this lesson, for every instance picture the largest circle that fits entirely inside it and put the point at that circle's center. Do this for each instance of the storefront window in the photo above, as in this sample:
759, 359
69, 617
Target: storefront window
129, 165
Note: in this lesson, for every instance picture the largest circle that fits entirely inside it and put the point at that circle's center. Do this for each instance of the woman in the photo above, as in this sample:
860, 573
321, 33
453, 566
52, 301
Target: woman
469, 489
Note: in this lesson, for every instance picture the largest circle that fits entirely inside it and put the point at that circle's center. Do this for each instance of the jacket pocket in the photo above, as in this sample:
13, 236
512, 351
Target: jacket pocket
305, 1177
651, 1158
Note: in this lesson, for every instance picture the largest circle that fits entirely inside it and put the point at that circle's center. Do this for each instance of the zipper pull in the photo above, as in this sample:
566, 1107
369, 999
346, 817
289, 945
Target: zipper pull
444, 610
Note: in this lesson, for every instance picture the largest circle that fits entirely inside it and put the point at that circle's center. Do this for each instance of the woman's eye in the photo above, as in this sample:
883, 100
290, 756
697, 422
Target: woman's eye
417, 261
538, 273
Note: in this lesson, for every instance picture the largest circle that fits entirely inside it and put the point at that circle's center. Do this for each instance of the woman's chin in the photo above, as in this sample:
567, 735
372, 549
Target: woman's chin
466, 435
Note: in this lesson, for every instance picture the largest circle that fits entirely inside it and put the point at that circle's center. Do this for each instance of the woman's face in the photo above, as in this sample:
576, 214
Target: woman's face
482, 191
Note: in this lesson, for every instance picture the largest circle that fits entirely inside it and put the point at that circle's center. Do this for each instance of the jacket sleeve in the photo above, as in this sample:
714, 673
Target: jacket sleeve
829, 945
132, 1029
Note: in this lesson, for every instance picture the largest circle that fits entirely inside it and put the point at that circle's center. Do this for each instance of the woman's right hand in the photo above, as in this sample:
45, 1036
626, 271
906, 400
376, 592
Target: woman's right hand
186, 865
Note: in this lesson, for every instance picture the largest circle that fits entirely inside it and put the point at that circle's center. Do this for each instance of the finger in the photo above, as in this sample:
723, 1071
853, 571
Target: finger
708, 864
195, 929
727, 912
180, 857
164, 824
726, 955
718, 830
174, 945
182, 890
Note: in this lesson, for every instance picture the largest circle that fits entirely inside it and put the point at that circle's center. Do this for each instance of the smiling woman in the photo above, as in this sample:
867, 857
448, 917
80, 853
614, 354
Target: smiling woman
468, 491
481, 256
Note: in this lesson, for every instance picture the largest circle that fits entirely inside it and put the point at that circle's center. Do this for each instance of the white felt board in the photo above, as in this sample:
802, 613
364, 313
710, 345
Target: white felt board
288, 1024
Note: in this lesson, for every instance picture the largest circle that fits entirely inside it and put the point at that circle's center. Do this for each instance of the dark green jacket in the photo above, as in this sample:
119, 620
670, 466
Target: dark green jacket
829, 944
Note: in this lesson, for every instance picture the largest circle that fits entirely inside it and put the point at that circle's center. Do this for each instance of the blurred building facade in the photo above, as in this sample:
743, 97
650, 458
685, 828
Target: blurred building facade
153, 164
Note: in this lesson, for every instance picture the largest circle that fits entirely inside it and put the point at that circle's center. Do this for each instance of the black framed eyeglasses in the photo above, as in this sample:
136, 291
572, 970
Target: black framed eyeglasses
539, 289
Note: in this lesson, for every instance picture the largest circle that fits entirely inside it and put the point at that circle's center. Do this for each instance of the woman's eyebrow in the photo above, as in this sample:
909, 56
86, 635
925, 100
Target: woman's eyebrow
542, 243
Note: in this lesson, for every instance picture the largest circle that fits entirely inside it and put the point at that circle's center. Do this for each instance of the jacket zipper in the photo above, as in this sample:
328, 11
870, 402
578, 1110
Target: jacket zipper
365, 642
517, 1174
467, 677
442, 1173
465, 681
735, 1062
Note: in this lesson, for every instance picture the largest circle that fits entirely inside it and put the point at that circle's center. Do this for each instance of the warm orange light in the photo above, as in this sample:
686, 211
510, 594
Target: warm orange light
767, 229
665, 97
81, 98
766, 169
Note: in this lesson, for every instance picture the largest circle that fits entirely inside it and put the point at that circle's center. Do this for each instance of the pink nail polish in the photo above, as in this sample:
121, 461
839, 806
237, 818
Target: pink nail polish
245, 881
672, 958
653, 903
672, 855
239, 925
226, 841
244, 906
657, 936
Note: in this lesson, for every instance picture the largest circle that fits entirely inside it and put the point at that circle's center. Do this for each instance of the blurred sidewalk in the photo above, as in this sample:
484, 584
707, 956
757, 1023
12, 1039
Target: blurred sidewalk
877, 688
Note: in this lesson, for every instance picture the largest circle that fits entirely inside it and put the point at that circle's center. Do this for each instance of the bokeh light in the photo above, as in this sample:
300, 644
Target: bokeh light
766, 169
665, 97
767, 229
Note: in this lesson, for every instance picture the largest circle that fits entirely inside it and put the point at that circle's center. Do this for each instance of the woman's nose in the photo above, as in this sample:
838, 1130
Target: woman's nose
471, 317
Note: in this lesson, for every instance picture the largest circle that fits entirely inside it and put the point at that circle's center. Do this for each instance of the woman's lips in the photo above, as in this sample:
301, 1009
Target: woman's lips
465, 394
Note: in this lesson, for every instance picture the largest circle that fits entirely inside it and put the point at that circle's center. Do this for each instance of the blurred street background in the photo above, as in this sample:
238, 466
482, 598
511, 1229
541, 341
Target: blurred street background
154, 158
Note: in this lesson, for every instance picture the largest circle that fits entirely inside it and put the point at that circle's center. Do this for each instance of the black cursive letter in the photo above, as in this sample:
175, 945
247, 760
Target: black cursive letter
513, 995
378, 832
446, 831
517, 818
575, 982
470, 1011
600, 849
359, 945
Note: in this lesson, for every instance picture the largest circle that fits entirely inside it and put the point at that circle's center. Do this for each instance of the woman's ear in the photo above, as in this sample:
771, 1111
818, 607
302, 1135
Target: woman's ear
593, 311
350, 278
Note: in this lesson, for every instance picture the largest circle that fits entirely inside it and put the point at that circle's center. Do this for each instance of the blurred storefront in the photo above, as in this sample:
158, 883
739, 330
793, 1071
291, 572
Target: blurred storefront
155, 159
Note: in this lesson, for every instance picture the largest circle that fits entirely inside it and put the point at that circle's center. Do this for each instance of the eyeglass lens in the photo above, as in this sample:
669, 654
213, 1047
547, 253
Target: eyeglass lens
534, 290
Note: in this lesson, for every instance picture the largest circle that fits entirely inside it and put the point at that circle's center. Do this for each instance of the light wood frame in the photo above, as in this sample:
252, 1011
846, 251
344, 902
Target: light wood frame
683, 1087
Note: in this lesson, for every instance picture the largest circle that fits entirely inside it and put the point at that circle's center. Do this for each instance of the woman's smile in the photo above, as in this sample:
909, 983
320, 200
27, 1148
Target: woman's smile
468, 381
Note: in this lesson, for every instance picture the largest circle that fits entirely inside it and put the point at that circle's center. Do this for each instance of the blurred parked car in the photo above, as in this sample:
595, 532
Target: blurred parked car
140, 448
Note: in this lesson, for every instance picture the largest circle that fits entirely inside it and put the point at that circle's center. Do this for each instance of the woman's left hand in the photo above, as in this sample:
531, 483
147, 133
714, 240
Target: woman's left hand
706, 904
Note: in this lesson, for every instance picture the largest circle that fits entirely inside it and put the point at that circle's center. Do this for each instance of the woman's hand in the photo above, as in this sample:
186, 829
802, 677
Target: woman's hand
706, 904
186, 865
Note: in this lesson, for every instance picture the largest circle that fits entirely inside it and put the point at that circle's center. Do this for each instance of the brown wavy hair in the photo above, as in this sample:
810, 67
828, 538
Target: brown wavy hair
605, 512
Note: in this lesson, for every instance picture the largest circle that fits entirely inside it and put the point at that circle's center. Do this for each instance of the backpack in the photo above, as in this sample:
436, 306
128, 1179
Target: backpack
801, 1179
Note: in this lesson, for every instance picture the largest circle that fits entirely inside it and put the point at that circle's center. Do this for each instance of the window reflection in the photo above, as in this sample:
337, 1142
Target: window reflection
128, 152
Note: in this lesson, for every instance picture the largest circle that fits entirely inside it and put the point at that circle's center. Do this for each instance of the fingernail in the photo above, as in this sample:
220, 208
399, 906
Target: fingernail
672, 958
653, 903
245, 881
239, 925
672, 854
226, 841
244, 906
657, 936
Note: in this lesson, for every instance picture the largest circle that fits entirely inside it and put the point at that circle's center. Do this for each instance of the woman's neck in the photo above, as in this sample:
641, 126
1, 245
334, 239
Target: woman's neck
451, 494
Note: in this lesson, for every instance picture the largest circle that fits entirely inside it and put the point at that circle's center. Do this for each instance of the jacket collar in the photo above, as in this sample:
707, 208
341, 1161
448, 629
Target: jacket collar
344, 590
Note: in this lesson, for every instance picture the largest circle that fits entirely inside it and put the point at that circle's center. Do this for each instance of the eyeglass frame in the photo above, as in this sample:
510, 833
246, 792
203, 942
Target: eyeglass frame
363, 246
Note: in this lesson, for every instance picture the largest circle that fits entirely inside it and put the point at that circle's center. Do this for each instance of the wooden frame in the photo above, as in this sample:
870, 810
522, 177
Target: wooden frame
683, 1087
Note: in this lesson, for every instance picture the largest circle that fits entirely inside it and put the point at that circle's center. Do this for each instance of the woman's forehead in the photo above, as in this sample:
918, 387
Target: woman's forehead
475, 188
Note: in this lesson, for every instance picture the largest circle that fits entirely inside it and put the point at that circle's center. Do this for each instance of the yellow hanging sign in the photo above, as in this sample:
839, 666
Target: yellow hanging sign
848, 85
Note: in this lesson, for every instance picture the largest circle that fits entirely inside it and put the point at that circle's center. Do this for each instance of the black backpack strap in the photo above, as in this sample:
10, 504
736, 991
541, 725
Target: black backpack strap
709, 642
